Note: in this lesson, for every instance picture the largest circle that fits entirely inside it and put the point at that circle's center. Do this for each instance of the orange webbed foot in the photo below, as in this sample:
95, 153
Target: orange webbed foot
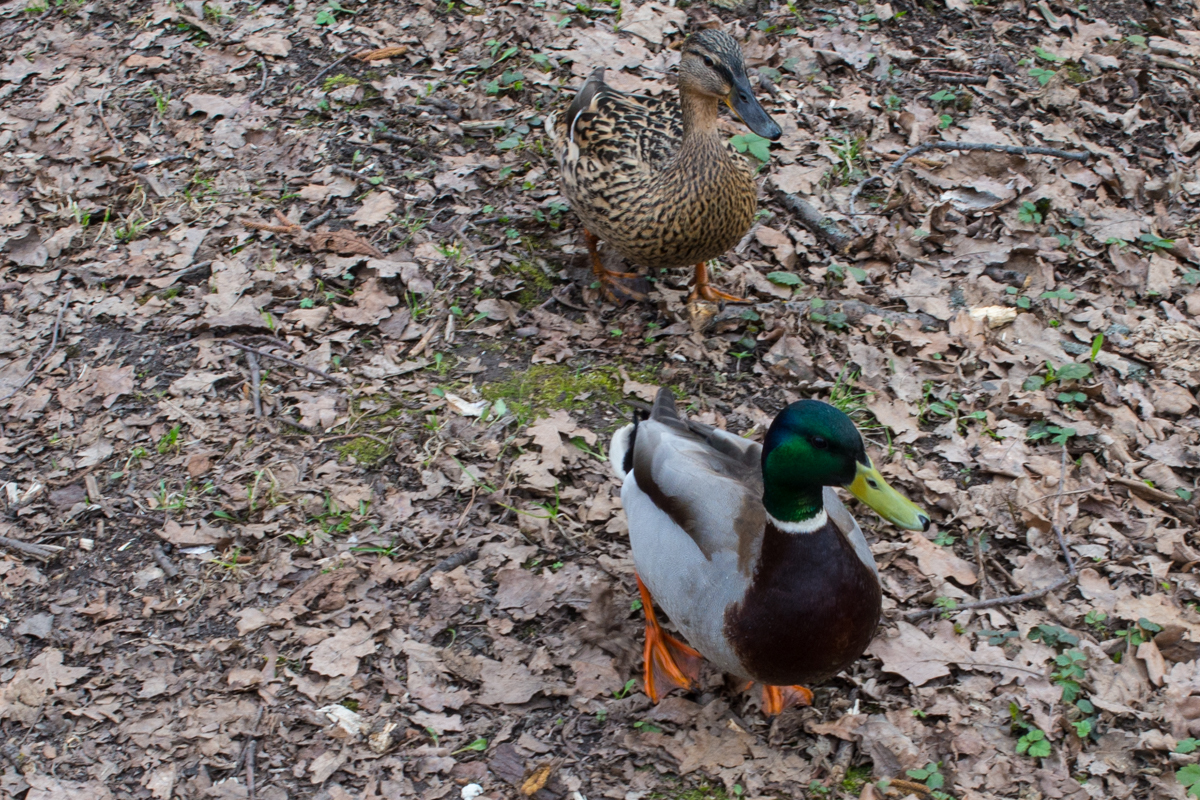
668, 662
775, 699
703, 290
611, 283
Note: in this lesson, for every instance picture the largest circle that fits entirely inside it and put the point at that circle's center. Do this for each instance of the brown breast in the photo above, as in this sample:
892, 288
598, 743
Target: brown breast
696, 209
810, 612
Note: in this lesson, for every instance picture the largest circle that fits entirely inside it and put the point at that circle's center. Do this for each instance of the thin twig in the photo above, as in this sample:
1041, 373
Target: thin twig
317, 220
353, 436
464, 556
287, 360
49, 350
255, 381
965, 78
262, 88
154, 162
1171, 64
246, 757
328, 69
397, 138
985, 583
104, 122
470, 504
912, 616
40, 552
299, 426
820, 225
250, 748
1084, 490
164, 563
1054, 523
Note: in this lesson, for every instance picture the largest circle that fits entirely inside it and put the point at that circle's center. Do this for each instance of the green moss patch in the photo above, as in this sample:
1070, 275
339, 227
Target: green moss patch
367, 452
549, 386
537, 283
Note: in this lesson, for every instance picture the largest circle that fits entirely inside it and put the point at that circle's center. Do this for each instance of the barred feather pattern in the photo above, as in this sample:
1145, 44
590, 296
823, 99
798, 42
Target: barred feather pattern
661, 201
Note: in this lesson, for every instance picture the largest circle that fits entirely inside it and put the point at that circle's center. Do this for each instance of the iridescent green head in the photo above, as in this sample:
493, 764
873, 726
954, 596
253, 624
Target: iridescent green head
811, 445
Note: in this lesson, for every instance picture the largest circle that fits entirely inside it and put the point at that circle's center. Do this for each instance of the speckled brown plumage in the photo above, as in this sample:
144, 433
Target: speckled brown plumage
653, 177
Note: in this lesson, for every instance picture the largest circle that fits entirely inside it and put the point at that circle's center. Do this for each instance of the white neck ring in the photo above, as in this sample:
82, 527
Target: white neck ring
801, 526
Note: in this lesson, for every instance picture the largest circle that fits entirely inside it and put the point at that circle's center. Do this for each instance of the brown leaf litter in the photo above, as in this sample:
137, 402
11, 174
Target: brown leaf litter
306, 399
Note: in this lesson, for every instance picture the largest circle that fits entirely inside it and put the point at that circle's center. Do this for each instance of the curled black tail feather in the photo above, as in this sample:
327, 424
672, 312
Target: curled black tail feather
638, 416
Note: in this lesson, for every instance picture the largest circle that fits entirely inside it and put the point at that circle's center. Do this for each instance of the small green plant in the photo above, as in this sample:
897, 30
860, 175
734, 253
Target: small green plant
130, 230
1067, 398
784, 278
944, 539
162, 100
1153, 243
625, 690
1021, 300
851, 401
1189, 778
1095, 618
1070, 672
753, 144
1186, 746
847, 151
230, 560
1141, 632
947, 605
1029, 213
1042, 75
1033, 743
332, 518
646, 727
834, 319
944, 97
1087, 726
1067, 372
1052, 636
169, 441
930, 775
477, 746
328, 14
133, 461
1058, 294
996, 638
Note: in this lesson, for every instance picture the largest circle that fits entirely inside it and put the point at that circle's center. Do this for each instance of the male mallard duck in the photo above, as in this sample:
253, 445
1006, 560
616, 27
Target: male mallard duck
749, 551
656, 180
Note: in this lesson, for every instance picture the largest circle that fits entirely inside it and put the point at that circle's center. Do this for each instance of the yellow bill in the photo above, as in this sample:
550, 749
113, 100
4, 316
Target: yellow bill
870, 487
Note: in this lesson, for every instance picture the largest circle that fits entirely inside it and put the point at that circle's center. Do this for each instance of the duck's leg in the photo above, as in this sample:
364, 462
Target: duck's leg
702, 289
776, 698
610, 282
669, 663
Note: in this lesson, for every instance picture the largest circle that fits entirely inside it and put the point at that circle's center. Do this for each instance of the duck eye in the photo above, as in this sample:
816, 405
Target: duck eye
708, 62
819, 442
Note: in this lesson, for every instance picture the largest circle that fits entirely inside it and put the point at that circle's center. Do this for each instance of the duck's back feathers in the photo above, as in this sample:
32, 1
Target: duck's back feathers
610, 131
713, 493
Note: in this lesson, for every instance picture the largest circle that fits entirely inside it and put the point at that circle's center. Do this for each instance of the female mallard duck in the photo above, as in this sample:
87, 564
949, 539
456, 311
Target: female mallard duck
748, 551
656, 180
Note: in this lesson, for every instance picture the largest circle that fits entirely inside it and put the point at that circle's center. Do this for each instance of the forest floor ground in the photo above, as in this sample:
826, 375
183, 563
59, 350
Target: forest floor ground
285, 328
